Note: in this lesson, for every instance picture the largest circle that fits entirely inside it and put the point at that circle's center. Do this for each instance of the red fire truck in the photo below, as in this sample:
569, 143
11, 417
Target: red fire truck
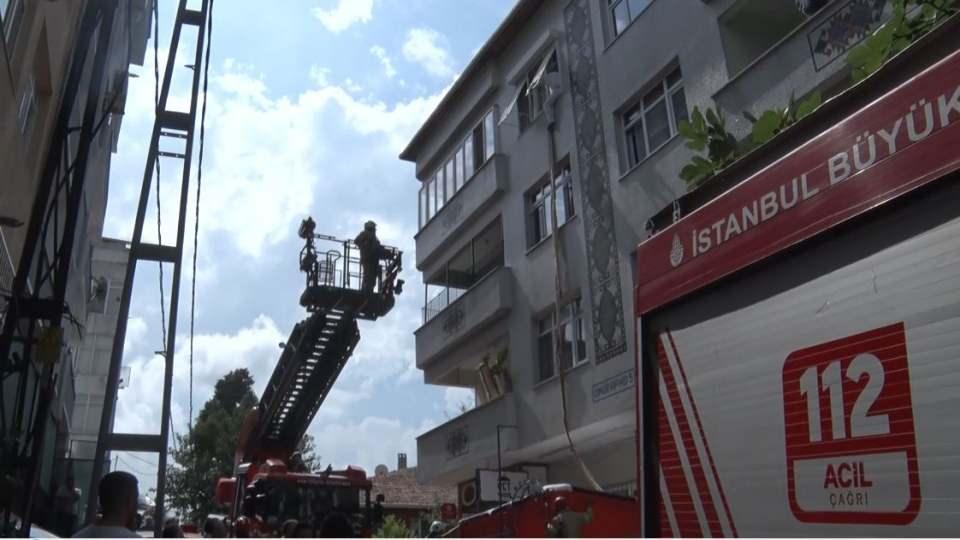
270, 484
799, 333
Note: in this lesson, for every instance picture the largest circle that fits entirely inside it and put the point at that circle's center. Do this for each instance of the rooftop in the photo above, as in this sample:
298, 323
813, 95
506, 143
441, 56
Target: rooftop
401, 490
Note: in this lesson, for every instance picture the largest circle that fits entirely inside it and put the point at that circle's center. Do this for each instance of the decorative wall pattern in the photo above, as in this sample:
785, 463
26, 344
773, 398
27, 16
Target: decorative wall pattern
609, 335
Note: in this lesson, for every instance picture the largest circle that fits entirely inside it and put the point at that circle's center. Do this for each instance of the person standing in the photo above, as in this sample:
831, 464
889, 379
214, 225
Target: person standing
567, 523
65, 503
117, 493
370, 249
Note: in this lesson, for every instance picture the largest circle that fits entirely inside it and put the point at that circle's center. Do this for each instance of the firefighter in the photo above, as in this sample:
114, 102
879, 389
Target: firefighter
567, 523
370, 249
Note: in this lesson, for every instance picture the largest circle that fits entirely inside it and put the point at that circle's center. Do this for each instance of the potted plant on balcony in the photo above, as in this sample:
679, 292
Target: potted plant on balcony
500, 369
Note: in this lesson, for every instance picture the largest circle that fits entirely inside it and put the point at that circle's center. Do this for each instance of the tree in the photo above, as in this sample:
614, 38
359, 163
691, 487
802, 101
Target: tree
206, 454
393, 528
308, 452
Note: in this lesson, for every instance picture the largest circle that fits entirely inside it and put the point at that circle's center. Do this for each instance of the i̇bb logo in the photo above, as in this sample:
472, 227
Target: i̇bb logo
851, 448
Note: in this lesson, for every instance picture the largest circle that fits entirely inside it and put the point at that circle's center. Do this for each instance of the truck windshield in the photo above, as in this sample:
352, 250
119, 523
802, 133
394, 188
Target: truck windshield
310, 503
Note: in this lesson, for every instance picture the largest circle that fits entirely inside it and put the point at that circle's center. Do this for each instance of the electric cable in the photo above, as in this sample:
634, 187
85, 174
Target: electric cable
196, 221
156, 109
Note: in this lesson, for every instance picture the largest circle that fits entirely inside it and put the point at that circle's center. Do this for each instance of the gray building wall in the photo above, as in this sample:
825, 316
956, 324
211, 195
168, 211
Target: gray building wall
603, 74
37, 56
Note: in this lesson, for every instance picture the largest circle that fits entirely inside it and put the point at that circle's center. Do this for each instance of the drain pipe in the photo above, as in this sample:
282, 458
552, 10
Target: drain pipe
558, 260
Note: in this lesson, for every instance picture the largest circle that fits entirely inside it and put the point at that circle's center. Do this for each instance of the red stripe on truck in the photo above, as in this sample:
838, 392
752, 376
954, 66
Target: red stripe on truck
689, 447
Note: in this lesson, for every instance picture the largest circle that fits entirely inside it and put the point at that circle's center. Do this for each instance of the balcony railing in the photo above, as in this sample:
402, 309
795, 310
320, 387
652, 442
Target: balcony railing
440, 302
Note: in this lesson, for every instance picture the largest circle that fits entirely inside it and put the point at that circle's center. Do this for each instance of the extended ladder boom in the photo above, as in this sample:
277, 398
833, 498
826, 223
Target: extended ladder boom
319, 346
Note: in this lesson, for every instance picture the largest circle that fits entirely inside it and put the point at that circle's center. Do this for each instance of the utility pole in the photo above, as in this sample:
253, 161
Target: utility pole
180, 126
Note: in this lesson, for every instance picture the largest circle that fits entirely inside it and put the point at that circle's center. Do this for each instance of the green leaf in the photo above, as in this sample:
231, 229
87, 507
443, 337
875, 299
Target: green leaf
689, 172
714, 119
768, 125
809, 105
698, 123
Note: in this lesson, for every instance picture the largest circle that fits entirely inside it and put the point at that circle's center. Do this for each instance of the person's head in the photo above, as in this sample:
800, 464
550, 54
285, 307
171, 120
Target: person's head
370, 226
118, 494
289, 528
214, 528
172, 530
336, 525
304, 530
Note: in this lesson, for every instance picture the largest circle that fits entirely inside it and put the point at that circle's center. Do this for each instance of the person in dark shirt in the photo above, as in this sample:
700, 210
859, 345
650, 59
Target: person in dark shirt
370, 249
336, 525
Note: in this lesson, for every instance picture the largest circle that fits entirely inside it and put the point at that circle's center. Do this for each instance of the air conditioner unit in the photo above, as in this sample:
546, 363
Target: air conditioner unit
468, 497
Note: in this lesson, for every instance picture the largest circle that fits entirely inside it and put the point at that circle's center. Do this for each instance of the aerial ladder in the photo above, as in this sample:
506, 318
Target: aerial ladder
270, 484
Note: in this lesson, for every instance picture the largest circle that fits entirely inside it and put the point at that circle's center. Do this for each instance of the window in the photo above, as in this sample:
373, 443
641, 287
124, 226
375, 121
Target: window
530, 102
622, 12
28, 107
482, 255
451, 177
539, 202
573, 347
653, 121
489, 136
424, 208
469, 156
545, 347
458, 159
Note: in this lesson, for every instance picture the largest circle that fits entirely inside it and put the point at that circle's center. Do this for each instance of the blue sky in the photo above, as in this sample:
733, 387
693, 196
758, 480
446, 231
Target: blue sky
310, 103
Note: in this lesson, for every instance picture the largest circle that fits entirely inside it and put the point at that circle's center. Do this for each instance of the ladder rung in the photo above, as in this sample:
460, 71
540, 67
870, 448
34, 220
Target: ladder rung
175, 120
174, 134
171, 154
135, 442
154, 252
192, 16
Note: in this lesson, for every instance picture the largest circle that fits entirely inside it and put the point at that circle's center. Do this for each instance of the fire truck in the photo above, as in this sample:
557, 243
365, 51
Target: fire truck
271, 484
799, 327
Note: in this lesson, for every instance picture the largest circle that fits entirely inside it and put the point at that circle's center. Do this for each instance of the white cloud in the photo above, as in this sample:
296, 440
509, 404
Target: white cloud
381, 54
345, 14
457, 400
264, 179
429, 48
319, 75
372, 441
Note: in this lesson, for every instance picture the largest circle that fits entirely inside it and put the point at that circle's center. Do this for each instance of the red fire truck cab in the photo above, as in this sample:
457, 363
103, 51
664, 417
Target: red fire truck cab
269, 495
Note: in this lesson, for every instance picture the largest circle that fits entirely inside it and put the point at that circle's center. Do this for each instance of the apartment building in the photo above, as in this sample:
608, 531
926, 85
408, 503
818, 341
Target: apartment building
590, 94
38, 45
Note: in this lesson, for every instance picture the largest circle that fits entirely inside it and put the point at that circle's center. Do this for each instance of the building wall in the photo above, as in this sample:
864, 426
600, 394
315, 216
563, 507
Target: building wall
35, 60
604, 74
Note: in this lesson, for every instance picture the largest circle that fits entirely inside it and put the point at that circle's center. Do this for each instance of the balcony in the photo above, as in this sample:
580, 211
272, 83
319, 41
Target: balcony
487, 301
479, 191
454, 450
766, 69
